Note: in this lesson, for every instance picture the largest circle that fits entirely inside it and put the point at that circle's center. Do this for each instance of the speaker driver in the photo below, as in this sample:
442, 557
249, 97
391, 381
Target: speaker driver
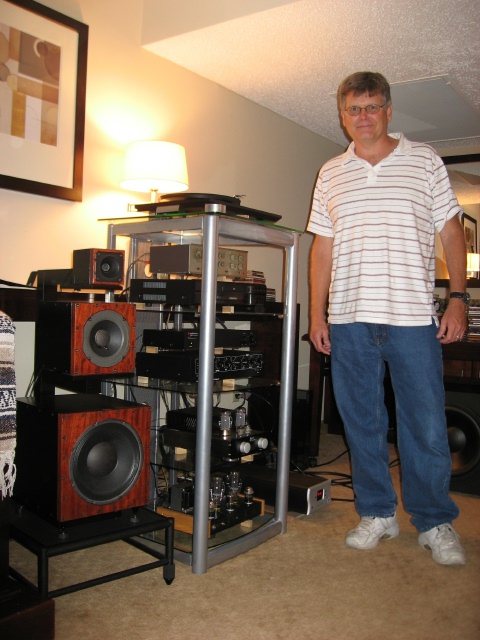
463, 431
106, 338
106, 461
109, 267
98, 268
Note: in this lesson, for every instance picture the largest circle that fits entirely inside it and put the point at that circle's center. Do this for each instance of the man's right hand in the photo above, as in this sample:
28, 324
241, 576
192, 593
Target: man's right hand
320, 337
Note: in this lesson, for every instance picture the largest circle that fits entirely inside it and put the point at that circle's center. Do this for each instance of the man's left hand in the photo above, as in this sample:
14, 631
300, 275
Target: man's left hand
454, 322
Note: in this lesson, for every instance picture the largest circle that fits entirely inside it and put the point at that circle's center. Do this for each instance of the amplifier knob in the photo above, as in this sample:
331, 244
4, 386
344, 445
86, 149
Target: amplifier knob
262, 443
244, 447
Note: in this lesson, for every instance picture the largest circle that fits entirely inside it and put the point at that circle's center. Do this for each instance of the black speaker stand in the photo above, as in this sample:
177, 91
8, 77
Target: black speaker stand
45, 540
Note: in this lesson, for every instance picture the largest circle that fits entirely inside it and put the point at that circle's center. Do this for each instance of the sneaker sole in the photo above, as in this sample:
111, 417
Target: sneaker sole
455, 560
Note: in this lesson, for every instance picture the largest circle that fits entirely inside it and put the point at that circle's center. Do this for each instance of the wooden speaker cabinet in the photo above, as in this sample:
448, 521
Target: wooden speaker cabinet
82, 455
99, 268
85, 338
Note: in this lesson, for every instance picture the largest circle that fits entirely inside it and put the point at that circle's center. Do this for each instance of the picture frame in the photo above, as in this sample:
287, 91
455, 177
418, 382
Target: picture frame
466, 163
470, 230
42, 100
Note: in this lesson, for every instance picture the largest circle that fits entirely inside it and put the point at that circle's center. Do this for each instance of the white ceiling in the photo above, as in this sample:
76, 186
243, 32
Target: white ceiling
290, 55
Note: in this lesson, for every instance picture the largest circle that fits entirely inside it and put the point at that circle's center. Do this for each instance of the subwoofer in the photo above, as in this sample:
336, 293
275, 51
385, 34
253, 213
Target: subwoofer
85, 338
79, 456
99, 268
463, 425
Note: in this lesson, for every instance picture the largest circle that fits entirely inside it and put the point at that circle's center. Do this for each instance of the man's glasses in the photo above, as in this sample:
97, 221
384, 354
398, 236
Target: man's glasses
370, 109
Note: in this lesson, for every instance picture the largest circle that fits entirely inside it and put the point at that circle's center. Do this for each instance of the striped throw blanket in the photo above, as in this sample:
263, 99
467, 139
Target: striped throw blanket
7, 405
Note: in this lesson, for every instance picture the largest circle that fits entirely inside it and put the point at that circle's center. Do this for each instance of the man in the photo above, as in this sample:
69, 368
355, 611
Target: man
374, 212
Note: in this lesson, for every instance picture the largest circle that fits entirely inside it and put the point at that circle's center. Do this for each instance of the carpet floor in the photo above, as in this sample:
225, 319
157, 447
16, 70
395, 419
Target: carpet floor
304, 584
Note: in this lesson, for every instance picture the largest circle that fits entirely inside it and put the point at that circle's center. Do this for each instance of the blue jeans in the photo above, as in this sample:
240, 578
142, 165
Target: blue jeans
414, 357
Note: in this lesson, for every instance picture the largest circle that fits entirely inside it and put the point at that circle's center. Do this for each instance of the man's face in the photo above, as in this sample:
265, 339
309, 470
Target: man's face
366, 127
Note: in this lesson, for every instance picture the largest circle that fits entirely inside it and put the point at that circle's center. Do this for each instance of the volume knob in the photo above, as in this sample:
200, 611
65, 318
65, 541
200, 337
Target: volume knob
244, 447
262, 443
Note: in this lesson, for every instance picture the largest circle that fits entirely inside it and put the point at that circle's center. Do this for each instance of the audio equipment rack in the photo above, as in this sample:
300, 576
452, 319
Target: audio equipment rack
212, 230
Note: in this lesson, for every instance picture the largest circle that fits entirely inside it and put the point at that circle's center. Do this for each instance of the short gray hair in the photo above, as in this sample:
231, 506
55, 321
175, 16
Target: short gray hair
363, 82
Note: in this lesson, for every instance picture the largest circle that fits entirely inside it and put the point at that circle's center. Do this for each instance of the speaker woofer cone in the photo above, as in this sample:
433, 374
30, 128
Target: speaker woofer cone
106, 338
463, 431
109, 267
106, 461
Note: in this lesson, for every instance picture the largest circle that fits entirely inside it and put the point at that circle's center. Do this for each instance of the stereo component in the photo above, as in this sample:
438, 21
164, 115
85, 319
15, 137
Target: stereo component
189, 292
182, 496
230, 503
228, 447
209, 202
187, 259
462, 410
306, 494
85, 338
232, 436
184, 366
99, 268
222, 419
82, 455
186, 339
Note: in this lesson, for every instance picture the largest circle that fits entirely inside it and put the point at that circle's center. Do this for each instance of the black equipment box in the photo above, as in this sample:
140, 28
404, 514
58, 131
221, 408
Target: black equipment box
184, 366
186, 419
306, 493
189, 292
230, 448
190, 338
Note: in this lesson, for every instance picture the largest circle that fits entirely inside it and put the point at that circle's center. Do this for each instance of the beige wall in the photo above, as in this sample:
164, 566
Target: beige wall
233, 147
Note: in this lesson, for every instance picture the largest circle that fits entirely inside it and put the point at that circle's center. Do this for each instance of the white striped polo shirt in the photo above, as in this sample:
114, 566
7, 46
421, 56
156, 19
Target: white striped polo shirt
382, 220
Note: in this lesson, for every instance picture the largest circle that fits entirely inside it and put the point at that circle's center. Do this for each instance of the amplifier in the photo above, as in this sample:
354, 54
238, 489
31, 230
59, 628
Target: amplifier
189, 292
230, 448
306, 494
190, 338
187, 259
225, 421
183, 366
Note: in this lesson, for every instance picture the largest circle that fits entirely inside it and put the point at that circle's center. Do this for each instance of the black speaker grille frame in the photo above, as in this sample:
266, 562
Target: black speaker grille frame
463, 429
462, 410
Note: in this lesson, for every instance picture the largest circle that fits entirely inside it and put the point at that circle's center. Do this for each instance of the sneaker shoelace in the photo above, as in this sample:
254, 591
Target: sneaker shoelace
446, 536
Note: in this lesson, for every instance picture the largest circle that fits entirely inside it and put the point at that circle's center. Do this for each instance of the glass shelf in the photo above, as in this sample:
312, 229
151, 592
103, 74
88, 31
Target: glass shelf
180, 215
241, 312
183, 542
219, 386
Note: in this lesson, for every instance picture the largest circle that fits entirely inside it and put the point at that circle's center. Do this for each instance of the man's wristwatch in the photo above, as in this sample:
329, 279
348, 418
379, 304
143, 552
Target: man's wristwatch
465, 297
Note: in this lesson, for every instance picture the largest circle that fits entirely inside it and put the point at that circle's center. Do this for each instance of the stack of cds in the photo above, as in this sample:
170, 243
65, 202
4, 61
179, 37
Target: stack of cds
255, 276
474, 321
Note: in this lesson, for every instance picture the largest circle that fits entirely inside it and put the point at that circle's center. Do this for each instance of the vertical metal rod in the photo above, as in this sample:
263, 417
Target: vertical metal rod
205, 394
175, 396
287, 377
111, 237
111, 242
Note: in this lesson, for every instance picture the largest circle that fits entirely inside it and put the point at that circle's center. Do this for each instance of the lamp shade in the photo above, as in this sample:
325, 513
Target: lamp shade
473, 263
154, 165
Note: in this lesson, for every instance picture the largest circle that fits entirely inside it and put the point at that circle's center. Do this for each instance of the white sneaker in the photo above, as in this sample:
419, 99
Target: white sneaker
444, 544
368, 533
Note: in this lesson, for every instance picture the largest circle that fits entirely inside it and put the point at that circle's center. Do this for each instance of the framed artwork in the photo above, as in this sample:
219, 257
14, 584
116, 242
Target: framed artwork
470, 229
43, 75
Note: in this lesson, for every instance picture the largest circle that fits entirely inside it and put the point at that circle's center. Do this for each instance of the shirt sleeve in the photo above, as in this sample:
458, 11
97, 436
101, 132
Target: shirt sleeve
445, 204
319, 222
